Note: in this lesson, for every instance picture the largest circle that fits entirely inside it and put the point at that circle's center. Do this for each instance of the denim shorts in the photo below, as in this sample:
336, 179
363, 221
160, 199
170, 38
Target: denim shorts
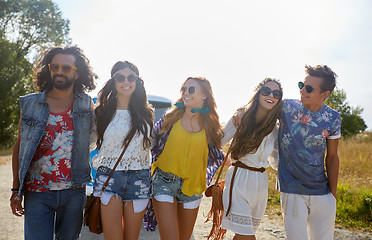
164, 183
128, 185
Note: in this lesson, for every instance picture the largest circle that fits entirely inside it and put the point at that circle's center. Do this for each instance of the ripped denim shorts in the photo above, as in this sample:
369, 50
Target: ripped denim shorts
128, 185
164, 183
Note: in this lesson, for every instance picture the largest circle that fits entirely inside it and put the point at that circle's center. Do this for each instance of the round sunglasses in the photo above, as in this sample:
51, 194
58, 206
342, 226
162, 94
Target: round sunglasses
65, 68
191, 90
308, 88
120, 78
266, 91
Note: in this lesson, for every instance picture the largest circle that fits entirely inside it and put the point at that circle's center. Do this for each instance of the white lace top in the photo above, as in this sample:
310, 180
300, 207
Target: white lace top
134, 158
266, 154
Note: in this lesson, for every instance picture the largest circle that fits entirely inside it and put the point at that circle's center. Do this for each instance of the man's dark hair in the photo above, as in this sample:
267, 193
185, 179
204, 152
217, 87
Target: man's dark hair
324, 72
43, 80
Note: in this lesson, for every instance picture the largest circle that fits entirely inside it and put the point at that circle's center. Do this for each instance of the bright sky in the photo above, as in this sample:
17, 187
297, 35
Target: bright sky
234, 44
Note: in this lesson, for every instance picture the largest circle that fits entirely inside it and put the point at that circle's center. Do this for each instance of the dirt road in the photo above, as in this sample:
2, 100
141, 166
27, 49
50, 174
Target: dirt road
270, 228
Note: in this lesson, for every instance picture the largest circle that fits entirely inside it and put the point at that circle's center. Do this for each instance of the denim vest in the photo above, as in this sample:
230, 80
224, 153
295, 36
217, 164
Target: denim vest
35, 113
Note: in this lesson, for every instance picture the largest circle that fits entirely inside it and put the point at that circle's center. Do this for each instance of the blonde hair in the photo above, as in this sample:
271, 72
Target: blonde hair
210, 121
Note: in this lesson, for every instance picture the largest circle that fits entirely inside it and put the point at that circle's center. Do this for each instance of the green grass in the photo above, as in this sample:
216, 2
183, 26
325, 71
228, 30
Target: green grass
354, 207
354, 191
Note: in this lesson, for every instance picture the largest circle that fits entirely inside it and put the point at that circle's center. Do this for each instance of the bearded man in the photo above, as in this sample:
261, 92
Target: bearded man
51, 155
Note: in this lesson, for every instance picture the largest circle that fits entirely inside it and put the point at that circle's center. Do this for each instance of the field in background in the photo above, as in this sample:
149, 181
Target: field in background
354, 191
354, 200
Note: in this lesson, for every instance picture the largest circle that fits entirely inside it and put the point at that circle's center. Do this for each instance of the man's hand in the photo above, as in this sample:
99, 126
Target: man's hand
16, 204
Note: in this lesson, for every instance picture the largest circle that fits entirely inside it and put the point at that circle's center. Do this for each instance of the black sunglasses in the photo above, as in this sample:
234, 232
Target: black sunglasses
120, 78
308, 88
191, 90
266, 91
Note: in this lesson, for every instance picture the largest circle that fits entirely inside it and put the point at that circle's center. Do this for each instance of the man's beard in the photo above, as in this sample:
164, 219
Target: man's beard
62, 85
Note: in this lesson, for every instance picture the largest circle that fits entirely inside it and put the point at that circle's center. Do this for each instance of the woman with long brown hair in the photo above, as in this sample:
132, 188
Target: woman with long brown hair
185, 156
123, 116
246, 188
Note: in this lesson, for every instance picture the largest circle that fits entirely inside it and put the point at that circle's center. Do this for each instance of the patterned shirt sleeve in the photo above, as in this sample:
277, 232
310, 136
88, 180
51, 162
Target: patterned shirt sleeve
337, 129
215, 159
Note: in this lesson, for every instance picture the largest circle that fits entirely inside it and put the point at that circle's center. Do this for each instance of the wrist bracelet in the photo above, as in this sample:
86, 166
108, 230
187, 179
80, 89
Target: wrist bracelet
14, 189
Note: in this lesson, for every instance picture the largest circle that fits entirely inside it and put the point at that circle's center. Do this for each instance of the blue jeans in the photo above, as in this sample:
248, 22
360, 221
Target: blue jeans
56, 214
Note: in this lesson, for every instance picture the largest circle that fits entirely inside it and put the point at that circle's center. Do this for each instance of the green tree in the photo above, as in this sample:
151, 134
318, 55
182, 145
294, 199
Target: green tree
26, 26
16, 80
33, 24
352, 122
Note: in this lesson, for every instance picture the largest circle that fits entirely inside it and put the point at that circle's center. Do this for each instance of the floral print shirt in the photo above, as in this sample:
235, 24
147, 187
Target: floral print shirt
50, 167
302, 144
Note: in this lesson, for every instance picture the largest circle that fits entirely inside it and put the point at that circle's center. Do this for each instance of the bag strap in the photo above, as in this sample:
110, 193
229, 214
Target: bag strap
116, 164
231, 188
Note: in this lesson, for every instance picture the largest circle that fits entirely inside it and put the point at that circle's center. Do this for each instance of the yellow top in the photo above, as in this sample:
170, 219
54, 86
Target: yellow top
185, 155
